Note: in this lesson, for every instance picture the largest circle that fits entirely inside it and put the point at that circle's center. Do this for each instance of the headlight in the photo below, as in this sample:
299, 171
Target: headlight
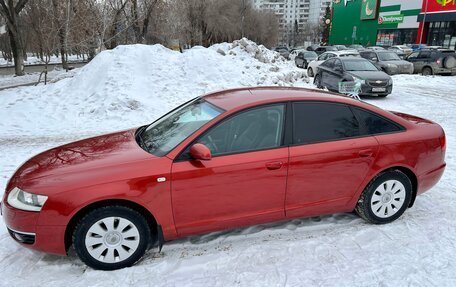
390, 81
26, 201
358, 80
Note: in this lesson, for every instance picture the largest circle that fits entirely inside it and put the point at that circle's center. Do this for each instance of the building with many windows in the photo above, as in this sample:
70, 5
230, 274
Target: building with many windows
298, 19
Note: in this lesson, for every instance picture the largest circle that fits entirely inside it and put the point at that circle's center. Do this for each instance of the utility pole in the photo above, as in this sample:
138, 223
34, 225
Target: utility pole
424, 22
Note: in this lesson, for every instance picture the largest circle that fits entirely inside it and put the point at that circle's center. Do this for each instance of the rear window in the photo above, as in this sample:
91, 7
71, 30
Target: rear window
375, 124
318, 122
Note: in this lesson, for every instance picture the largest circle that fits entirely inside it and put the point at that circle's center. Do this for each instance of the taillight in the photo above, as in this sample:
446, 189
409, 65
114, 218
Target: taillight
438, 62
442, 141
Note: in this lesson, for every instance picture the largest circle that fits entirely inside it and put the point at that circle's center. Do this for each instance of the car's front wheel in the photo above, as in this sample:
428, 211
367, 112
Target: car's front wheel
112, 237
386, 198
310, 72
317, 81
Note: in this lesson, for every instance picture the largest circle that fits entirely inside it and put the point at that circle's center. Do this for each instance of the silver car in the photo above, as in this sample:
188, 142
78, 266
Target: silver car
388, 61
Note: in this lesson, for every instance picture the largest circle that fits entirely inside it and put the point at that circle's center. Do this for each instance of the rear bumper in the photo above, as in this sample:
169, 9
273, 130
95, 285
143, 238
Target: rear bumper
428, 180
22, 227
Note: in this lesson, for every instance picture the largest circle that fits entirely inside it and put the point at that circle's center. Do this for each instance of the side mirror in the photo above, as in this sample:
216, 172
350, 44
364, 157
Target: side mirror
200, 152
337, 69
374, 59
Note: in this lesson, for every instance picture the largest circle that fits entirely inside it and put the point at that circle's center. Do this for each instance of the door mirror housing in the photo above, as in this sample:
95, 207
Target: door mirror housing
200, 152
374, 59
338, 69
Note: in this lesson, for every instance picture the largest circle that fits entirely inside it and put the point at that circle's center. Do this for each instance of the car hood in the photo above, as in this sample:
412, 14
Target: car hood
79, 161
370, 75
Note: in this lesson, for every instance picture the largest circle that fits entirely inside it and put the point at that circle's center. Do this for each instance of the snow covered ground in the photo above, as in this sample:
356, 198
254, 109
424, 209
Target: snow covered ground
133, 85
32, 60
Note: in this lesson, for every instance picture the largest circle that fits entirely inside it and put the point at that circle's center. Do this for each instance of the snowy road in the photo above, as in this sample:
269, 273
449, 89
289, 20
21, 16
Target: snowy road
339, 250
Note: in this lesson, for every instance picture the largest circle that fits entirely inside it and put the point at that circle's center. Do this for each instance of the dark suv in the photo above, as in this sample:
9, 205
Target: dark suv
433, 61
320, 50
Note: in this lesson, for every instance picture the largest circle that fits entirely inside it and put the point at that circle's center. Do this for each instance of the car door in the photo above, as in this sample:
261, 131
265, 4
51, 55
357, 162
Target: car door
245, 181
329, 158
299, 60
413, 58
335, 75
325, 70
423, 58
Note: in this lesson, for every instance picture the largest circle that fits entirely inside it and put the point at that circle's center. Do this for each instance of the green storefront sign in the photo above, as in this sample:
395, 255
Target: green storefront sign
390, 19
369, 9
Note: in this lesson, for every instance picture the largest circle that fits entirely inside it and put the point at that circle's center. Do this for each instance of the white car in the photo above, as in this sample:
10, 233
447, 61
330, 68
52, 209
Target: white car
402, 48
312, 67
295, 52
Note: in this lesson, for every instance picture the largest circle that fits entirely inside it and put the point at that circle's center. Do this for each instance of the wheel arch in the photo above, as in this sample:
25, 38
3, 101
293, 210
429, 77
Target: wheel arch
152, 222
428, 66
409, 173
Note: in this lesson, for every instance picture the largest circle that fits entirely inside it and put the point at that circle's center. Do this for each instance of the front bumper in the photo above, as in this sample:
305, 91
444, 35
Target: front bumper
23, 227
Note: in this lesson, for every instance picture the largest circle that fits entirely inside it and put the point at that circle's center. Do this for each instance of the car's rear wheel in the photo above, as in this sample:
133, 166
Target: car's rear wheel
426, 71
386, 198
310, 72
110, 238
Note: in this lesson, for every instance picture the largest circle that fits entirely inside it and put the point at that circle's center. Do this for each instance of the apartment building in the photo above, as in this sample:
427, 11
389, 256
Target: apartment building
297, 18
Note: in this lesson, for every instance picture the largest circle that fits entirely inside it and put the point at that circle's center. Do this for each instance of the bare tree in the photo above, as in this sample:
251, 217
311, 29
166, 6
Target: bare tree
10, 11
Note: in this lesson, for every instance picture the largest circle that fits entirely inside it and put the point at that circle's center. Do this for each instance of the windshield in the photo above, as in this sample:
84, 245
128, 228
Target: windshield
309, 55
391, 56
357, 65
166, 133
331, 48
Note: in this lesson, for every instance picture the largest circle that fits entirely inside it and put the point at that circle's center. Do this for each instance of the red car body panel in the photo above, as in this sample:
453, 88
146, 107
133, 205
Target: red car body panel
227, 191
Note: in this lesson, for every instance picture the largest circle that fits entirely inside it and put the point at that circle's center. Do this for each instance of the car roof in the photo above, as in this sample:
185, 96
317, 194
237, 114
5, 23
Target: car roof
235, 99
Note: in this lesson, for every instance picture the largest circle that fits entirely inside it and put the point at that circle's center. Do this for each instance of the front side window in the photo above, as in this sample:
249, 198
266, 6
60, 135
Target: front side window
165, 134
256, 129
319, 122
375, 124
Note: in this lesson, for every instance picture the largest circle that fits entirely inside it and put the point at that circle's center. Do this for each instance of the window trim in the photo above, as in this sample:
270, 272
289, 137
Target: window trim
362, 128
284, 141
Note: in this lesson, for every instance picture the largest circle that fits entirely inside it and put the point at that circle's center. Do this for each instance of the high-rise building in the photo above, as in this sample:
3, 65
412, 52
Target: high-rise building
298, 19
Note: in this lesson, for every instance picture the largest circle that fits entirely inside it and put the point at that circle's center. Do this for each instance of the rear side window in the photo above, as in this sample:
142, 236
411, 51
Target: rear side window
317, 122
375, 124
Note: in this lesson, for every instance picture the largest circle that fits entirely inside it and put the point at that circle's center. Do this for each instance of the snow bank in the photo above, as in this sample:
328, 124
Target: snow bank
132, 85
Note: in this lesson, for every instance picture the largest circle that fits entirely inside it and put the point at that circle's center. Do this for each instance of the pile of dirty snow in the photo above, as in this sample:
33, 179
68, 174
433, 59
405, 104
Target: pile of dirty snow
132, 85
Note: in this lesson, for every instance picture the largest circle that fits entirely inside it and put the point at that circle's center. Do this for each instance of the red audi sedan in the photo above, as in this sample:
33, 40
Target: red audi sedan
228, 159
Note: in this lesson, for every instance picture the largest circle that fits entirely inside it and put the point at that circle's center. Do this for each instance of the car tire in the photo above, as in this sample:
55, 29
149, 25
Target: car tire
105, 235
317, 81
310, 72
386, 197
426, 71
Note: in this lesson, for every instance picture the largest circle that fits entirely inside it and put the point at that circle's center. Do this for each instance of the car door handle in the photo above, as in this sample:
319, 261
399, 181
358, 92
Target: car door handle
365, 153
274, 165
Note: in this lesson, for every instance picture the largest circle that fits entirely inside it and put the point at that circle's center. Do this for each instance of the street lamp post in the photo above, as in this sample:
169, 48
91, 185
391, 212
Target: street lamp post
424, 22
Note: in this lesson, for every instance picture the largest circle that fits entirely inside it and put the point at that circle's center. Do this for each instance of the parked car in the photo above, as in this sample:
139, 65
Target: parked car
295, 52
304, 58
313, 65
433, 62
320, 50
357, 47
401, 49
283, 51
341, 47
375, 48
222, 161
388, 61
373, 82
312, 47
417, 47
